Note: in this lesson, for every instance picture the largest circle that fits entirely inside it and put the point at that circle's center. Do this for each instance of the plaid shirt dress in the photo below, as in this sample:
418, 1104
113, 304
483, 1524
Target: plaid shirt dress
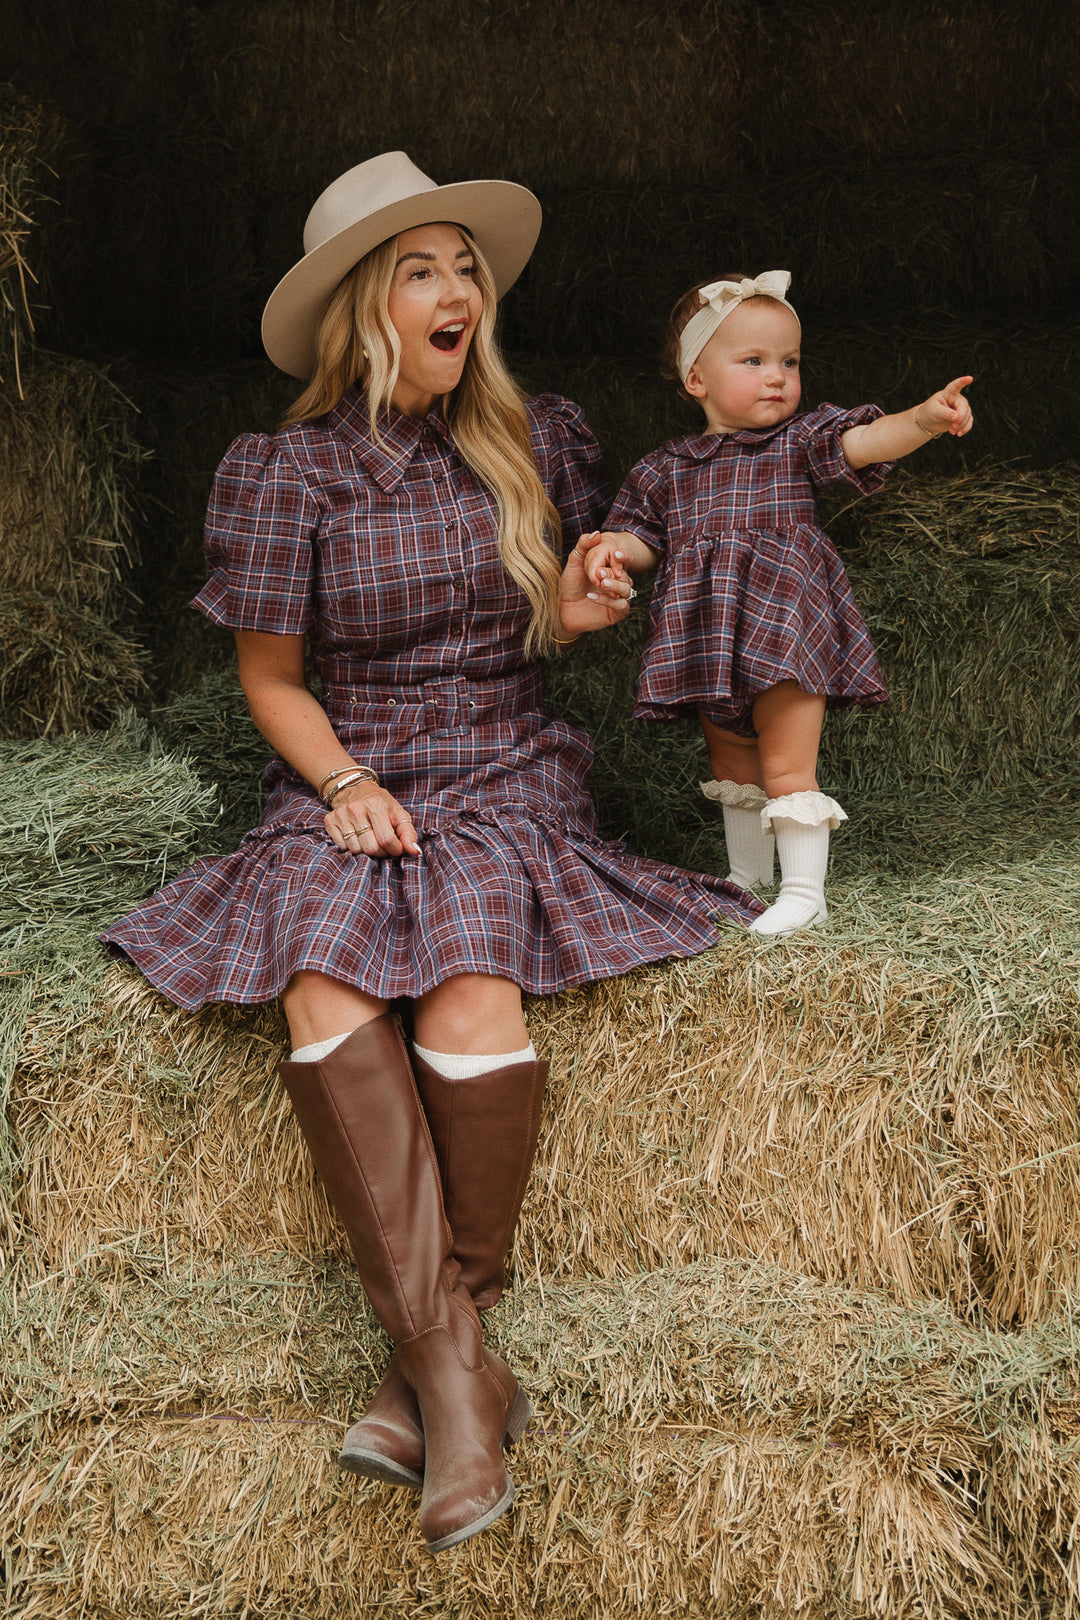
386, 555
749, 590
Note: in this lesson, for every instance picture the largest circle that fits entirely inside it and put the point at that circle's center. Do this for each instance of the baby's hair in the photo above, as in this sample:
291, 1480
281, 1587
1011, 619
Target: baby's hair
686, 307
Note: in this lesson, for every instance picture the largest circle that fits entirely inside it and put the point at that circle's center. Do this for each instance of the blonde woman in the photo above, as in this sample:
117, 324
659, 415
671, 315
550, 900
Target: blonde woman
427, 830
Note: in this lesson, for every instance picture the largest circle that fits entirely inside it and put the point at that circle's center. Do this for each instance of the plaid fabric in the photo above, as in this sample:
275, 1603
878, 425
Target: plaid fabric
749, 590
387, 556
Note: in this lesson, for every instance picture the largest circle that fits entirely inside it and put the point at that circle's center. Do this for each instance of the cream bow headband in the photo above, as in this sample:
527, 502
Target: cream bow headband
719, 299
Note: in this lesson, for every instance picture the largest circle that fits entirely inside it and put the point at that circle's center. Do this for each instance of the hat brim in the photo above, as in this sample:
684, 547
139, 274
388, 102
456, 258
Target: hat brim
503, 218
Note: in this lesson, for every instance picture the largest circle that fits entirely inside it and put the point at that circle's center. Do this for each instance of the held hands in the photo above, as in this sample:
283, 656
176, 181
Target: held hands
945, 412
594, 562
366, 820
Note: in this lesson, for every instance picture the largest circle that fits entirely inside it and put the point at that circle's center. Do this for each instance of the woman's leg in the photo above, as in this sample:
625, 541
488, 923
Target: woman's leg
361, 1115
318, 1008
788, 722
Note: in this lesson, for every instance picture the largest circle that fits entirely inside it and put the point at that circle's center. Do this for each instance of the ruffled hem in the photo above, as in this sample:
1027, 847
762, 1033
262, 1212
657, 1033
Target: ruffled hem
809, 809
736, 795
521, 896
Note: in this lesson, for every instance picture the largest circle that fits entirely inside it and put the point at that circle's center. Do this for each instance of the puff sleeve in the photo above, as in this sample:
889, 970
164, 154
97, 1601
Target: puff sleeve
260, 529
821, 431
570, 464
641, 506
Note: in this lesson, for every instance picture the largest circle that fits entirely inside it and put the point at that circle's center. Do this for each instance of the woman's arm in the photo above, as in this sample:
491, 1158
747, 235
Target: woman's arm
891, 437
365, 819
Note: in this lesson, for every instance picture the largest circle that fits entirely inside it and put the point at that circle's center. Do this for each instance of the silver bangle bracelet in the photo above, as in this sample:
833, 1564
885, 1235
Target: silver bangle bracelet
361, 774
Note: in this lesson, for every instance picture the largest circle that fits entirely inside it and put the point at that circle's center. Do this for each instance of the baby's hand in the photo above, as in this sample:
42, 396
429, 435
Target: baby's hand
946, 412
603, 560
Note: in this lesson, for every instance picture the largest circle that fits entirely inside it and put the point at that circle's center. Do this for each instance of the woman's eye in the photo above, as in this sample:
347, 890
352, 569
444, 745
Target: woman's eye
468, 269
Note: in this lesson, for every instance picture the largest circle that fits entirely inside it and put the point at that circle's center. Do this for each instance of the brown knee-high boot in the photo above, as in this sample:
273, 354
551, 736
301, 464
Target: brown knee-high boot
485, 1131
361, 1117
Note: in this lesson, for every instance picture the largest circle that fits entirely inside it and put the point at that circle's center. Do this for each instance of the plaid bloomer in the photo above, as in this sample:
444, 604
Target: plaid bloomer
749, 589
386, 554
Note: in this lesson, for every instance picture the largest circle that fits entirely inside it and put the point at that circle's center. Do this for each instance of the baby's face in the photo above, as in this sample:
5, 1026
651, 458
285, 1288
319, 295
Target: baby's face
747, 375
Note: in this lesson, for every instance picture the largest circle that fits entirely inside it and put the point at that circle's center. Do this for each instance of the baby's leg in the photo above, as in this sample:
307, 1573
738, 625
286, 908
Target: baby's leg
788, 722
737, 788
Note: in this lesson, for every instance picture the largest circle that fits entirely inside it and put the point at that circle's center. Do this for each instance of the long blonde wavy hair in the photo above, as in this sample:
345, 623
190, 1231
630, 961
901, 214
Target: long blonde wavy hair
485, 413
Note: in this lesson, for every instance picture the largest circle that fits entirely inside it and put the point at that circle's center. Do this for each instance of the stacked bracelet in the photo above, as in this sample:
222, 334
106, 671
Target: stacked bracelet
346, 778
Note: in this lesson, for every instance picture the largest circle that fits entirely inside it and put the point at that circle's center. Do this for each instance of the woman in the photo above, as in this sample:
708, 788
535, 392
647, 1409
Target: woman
427, 831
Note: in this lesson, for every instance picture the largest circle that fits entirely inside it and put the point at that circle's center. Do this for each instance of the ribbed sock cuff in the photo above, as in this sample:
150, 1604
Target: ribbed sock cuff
466, 1066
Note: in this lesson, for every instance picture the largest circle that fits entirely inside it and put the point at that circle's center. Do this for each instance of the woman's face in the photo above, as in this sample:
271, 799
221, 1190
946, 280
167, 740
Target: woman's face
434, 306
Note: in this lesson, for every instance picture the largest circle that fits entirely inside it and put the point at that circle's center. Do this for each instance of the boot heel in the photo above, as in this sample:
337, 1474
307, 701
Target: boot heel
520, 1417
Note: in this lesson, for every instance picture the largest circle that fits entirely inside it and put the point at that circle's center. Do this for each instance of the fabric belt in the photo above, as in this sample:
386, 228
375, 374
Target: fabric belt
446, 700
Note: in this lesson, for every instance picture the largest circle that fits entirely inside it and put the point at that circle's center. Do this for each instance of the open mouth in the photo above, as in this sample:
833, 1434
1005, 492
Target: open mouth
448, 338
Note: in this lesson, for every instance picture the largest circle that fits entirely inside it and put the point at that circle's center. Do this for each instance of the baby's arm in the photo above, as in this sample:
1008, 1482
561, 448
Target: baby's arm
891, 437
609, 558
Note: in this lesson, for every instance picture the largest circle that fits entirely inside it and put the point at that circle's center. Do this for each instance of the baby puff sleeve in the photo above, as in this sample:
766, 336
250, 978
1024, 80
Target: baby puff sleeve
570, 464
260, 525
821, 432
641, 506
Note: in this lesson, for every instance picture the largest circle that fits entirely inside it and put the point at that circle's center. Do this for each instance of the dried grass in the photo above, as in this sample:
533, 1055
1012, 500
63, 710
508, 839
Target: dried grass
68, 460
61, 668
891, 1102
29, 139
717, 1434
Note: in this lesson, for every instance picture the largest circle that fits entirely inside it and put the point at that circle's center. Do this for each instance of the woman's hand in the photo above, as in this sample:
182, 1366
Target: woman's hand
366, 820
584, 608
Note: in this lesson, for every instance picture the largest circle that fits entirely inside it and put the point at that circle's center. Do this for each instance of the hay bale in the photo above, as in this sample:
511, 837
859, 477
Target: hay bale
68, 456
715, 1435
210, 725
30, 138
890, 1102
88, 824
62, 668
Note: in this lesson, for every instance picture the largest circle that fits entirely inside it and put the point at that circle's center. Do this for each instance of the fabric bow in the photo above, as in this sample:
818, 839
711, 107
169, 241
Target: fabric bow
718, 300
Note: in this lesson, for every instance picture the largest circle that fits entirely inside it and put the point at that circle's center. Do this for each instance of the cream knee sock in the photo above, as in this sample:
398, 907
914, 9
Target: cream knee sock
317, 1049
466, 1066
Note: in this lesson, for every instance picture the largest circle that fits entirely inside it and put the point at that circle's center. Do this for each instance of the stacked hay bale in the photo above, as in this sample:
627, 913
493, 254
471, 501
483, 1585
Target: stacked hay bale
68, 455
797, 1273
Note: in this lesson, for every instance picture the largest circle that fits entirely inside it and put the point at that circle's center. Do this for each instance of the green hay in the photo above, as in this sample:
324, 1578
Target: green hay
209, 723
61, 668
88, 825
717, 1438
68, 460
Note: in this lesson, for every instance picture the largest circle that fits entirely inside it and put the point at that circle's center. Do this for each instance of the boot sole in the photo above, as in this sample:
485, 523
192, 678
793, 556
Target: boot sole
371, 1465
520, 1416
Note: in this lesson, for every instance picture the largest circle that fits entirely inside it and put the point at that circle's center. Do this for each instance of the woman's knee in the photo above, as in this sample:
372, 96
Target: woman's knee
471, 1012
318, 1007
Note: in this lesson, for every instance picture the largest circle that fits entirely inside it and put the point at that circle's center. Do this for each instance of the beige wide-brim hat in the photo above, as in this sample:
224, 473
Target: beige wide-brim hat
367, 205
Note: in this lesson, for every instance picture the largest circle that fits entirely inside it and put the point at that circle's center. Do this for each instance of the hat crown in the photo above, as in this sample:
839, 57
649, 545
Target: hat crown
380, 182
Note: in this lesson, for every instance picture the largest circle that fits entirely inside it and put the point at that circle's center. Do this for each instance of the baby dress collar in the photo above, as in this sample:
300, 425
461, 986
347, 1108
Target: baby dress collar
702, 446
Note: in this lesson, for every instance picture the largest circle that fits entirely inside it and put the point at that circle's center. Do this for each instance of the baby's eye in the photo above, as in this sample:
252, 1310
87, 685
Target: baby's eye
752, 360
791, 365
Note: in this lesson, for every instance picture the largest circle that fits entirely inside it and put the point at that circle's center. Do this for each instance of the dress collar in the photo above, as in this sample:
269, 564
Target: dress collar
400, 436
702, 446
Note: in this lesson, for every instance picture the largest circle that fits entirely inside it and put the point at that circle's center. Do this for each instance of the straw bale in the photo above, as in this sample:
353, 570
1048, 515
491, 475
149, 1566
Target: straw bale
30, 138
88, 823
62, 668
68, 460
210, 724
891, 1101
718, 1433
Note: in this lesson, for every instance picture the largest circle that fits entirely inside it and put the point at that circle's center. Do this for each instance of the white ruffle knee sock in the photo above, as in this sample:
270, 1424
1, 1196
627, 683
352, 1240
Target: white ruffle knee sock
801, 823
466, 1066
749, 846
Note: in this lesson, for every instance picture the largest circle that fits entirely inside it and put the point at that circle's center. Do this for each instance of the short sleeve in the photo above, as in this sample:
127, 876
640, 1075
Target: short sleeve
570, 463
641, 506
260, 525
821, 432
